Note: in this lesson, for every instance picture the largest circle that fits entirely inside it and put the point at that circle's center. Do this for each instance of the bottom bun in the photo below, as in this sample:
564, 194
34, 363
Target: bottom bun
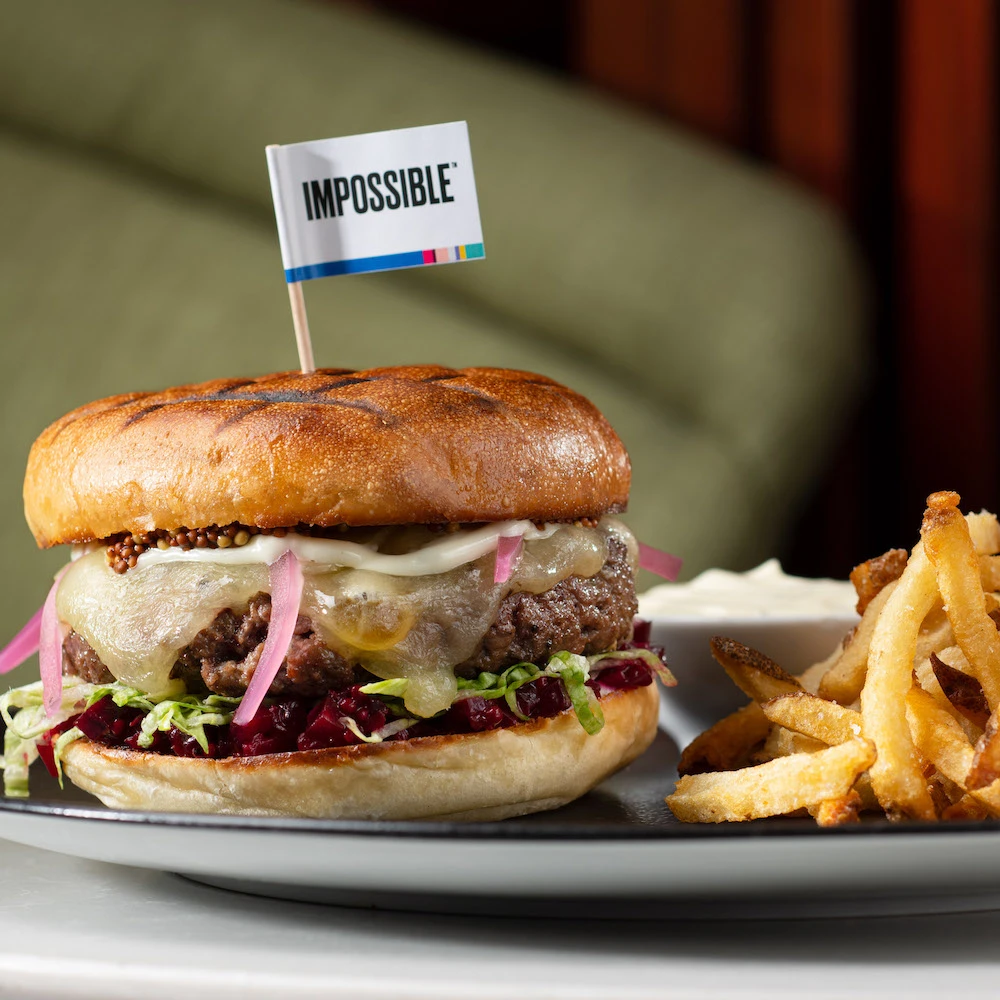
481, 776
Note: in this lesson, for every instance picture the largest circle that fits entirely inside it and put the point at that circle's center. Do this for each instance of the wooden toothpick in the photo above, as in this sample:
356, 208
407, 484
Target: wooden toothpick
301, 323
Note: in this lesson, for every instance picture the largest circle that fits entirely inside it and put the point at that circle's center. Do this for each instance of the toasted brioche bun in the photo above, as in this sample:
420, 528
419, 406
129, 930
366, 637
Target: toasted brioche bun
482, 776
413, 445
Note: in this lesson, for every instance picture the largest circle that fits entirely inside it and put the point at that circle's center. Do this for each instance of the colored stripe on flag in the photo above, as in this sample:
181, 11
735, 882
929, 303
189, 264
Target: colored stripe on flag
387, 262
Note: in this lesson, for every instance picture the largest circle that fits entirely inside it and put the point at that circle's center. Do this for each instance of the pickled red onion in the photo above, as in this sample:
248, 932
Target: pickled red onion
508, 550
285, 576
661, 563
22, 645
50, 643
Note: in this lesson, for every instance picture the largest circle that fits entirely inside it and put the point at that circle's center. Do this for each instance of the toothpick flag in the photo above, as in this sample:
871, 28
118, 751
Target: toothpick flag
373, 202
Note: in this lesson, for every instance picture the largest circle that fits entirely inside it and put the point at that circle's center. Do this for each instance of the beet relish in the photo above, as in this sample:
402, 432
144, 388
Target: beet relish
283, 725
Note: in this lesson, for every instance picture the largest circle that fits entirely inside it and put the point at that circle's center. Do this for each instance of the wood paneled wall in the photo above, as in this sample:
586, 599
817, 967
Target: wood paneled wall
889, 111
946, 240
685, 59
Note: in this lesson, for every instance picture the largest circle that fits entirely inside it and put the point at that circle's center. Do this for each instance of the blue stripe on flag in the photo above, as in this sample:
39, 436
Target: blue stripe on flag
356, 266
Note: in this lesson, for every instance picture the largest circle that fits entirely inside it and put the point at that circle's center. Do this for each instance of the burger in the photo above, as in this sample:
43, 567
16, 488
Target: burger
386, 594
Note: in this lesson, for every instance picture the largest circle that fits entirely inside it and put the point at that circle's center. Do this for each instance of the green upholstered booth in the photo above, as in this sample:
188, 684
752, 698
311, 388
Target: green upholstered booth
713, 311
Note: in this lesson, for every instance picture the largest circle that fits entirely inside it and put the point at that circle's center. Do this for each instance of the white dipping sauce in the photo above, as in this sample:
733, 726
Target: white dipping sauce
764, 592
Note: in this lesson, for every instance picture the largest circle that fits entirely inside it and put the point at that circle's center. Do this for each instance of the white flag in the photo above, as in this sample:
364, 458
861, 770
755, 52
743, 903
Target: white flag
375, 202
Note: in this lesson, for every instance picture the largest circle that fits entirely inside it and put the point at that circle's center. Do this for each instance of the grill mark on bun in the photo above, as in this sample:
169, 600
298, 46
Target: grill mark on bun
342, 383
539, 380
490, 402
241, 383
261, 400
235, 418
144, 412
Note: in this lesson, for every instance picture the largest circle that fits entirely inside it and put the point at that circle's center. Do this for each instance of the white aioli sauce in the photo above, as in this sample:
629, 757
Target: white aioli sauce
764, 592
446, 553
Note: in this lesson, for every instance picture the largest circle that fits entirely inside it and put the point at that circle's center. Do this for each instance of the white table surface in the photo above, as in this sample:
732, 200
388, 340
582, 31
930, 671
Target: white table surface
73, 929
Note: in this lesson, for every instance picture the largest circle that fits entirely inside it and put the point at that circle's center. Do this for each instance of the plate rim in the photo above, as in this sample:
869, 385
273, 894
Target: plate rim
500, 830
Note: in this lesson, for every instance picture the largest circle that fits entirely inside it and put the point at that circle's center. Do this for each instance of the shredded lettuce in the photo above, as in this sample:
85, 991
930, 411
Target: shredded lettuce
390, 729
571, 669
190, 715
63, 740
173, 709
18, 756
187, 713
393, 688
574, 672
23, 711
20, 741
646, 655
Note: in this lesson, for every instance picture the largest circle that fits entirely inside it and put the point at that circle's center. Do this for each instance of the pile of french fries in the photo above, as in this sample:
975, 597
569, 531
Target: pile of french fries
903, 719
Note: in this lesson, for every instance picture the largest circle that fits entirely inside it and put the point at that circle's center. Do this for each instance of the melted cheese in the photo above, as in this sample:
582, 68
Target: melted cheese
138, 622
400, 605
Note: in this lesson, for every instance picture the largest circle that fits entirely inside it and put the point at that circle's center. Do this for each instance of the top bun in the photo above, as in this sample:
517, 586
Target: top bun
409, 445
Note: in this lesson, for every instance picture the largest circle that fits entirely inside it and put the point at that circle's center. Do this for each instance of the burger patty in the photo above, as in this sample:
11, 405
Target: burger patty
222, 657
580, 614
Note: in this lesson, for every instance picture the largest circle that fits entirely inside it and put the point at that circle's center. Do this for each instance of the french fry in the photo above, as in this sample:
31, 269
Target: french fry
938, 735
897, 775
727, 744
896, 720
966, 807
989, 572
941, 740
821, 720
963, 691
871, 577
811, 678
985, 767
923, 672
757, 676
783, 742
924, 675
863, 786
944, 793
836, 812
950, 548
935, 633
985, 531
772, 789
845, 679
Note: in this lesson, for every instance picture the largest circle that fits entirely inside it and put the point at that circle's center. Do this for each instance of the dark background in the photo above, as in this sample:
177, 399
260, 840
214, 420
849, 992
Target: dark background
888, 111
